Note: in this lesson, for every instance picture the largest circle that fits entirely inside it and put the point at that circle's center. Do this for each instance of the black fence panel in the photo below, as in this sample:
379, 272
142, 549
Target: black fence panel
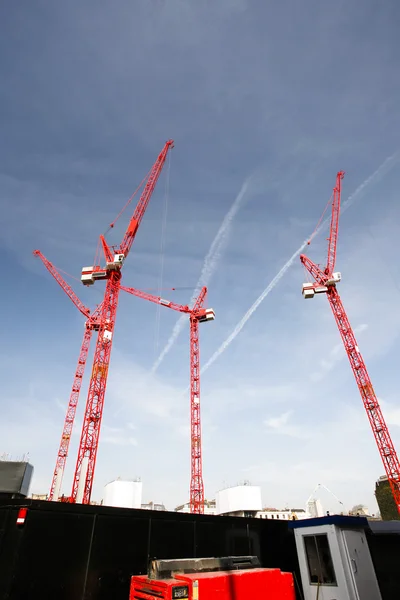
52, 556
385, 553
119, 548
215, 538
171, 537
10, 539
75, 552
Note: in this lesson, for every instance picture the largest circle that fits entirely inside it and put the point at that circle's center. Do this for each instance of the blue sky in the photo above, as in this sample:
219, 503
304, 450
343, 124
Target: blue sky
276, 97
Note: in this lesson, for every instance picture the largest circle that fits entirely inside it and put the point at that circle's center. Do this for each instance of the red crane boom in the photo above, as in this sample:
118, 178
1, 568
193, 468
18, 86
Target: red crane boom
197, 315
88, 445
325, 282
103, 321
157, 299
63, 284
137, 216
91, 325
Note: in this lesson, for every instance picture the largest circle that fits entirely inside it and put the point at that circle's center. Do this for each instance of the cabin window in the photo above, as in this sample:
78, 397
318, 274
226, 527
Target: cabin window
319, 560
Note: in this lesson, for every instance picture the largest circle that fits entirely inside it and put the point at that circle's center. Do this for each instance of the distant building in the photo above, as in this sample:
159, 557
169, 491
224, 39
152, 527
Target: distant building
314, 508
153, 506
385, 500
39, 496
239, 501
209, 507
360, 510
15, 478
286, 514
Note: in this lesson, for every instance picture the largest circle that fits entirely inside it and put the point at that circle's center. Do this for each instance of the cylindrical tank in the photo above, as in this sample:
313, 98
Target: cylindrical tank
123, 494
239, 498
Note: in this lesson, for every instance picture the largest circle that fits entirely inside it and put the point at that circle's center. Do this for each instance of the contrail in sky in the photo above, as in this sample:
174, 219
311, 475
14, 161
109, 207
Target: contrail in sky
210, 264
376, 175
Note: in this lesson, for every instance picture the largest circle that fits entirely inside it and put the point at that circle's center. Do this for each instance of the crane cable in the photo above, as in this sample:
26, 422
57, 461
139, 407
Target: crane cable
307, 274
77, 279
162, 256
111, 225
127, 203
320, 220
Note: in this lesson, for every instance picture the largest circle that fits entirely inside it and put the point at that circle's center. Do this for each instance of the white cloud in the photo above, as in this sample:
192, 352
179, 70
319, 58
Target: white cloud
279, 422
283, 425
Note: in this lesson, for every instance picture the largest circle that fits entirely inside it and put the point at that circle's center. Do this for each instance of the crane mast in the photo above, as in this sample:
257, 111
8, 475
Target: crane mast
369, 398
89, 440
197, 315
70, 416
92, 324
196, 480
325, 282
103, 321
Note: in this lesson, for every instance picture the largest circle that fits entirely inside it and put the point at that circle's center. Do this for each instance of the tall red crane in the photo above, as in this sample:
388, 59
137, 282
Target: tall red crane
91, 324
197, 315
104, 325
325, 283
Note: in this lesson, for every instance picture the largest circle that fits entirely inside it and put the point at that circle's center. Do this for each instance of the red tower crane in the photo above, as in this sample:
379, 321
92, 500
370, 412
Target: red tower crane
92, 324
104, 324
197, 315
325, 282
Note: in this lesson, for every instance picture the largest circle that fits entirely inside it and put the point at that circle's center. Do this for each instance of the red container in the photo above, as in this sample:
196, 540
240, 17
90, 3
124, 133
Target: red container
247, 584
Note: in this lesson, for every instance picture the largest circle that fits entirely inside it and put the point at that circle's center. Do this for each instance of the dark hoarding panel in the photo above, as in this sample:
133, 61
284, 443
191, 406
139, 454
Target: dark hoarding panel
385, 553
119, 550
211, 538
218, 536
10, 538
277, 544
171, 537
75, 552
52, 557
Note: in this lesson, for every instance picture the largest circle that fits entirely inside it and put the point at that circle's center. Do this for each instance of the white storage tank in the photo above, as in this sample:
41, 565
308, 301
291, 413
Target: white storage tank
123, 494
241, 498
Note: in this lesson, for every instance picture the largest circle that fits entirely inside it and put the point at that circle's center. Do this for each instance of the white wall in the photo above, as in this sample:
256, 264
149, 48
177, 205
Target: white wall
123, 494
239, 498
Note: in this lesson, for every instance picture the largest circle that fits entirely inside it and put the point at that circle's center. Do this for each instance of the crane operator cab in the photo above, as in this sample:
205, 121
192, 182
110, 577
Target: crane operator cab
205, 315
310, 289
94, 273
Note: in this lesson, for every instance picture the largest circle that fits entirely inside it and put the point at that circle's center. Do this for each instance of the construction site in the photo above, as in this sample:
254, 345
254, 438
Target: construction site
167, 165
243, 501
107, 267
